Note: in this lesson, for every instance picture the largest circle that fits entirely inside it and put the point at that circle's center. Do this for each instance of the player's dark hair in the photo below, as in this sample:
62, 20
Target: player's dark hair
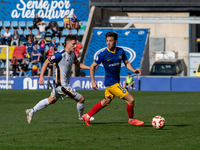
70, 37
112, 34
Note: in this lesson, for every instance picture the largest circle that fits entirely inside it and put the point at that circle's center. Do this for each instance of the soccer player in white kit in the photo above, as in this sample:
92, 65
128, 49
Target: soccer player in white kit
64, 61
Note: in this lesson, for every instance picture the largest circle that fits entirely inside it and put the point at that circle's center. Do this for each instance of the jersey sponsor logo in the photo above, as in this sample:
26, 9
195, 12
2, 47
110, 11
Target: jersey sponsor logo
120, 56
108, 59
99, 32
127, 33
130, 53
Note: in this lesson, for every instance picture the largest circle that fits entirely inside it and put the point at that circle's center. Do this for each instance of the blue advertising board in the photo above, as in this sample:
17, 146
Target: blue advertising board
133, 41
78, 83
49, 10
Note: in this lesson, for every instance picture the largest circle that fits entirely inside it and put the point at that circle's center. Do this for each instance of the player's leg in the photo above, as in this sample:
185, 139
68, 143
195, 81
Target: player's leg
130, 110
42, 104
105, 102
71, 93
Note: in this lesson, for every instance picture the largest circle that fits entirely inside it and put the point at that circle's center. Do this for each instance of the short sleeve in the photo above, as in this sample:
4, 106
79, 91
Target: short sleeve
99, 58
124, 56
55, 58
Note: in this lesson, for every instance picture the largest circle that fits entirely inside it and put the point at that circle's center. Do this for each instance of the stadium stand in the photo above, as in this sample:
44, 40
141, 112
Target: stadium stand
20, 31
11, 31
61, 24
65, 32
74, 31
57, 39
26, 32
14, 24
29, 24
81, 32
22, 24
60, 47
62, 40
35, 31
3, 31
1, 24
6, 24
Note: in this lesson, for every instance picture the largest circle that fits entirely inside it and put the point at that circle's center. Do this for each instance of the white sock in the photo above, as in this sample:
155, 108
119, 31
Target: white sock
80, 108
42, 104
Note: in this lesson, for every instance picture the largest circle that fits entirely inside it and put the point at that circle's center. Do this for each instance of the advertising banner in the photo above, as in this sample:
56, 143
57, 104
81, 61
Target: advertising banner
133, 42
48, 10
78, 83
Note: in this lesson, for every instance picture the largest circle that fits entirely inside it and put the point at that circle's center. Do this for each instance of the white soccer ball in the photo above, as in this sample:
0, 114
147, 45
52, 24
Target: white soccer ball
158, 122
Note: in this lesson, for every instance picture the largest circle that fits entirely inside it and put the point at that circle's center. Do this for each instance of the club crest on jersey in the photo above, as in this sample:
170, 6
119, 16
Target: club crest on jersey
53, 57
120, 56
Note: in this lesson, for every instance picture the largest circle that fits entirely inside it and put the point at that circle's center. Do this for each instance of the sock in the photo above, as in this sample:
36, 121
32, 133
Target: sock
95, 109
42, 104
80, 108
130, 111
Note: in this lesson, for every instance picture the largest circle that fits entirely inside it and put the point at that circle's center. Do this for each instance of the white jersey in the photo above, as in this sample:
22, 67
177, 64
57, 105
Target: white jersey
64, 62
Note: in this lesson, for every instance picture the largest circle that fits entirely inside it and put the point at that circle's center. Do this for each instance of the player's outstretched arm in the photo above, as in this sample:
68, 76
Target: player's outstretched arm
130, 67
92, 69
44, 67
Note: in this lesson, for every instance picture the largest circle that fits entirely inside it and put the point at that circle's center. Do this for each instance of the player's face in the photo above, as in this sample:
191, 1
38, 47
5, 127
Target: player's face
72, 45
111, 43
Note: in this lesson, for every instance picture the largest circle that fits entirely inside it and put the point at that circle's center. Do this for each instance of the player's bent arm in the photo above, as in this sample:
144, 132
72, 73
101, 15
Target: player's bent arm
130, 67
92, 69
81, 65
44, 67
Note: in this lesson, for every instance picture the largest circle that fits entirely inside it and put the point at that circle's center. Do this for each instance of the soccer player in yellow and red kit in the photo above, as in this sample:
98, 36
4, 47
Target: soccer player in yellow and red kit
111, 59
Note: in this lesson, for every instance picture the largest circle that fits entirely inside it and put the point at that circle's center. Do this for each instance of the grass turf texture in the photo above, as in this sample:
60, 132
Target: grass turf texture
57, 126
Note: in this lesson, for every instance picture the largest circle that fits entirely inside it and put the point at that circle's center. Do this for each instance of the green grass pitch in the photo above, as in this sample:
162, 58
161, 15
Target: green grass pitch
57, 126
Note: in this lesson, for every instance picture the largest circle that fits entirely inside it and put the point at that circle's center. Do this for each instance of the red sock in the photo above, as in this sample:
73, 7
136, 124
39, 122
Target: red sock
130, 111
95, 109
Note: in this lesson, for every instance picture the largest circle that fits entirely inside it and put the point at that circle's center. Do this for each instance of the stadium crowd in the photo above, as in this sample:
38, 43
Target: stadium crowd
42, 40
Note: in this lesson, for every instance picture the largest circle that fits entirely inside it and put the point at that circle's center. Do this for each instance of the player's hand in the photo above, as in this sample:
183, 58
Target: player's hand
96, 67
94, 86
138, 71
41, 81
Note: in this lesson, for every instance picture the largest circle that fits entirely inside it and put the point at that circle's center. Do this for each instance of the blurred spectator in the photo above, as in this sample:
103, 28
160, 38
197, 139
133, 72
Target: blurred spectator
42, 26
14, 66
78, 48
15, 38
55, 45
71, 13
29, 47
23, 67
36, 20
36, 54
6, 38
74, 22
55, 30
50, 53
66, 22
42, 44
39, 36
35, 68
30, 35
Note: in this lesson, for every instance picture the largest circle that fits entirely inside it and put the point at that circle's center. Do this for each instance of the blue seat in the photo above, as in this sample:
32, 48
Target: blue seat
29, 24
57, 39
74, 31
3, 31
60, 47
22, 24
49, 32
11, 31
29, 66
1, 24
26, 31
1, 65
62, 40
65, 32
14, 24
48, 40
46, 48
6, 24
35, 31
60, 24
20, 31
84, 23
81, 32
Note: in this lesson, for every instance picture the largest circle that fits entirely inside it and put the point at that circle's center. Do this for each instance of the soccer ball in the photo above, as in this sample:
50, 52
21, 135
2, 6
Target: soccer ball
158, 122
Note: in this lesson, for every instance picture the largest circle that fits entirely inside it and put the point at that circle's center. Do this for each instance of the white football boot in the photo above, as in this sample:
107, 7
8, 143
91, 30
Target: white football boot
29, 114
